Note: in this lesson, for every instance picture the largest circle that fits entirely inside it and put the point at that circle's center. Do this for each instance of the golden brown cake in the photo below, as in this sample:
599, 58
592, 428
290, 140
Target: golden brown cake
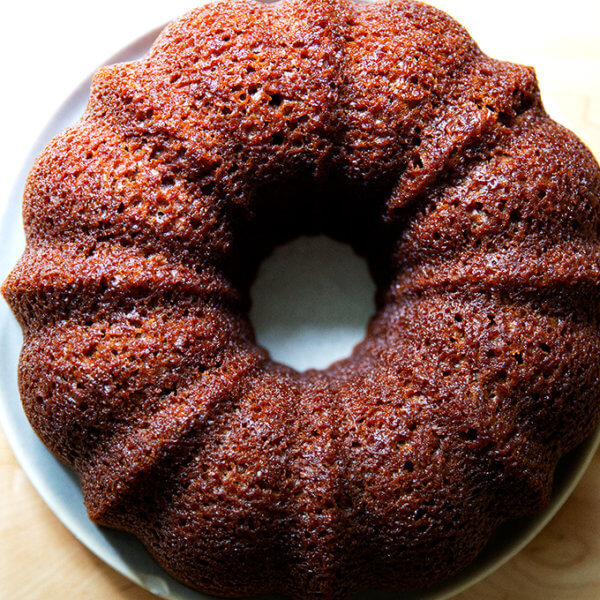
384, 126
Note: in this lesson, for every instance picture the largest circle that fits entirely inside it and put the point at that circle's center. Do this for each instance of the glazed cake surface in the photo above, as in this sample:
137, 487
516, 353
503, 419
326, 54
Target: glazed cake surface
381, 125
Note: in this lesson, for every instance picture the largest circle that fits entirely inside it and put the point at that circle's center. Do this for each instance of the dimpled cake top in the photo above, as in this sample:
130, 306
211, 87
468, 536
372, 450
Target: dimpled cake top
381, 125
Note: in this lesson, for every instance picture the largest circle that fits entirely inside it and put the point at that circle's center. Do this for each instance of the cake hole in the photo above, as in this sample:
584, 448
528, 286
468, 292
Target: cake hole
311, 302
471, 434
276, 100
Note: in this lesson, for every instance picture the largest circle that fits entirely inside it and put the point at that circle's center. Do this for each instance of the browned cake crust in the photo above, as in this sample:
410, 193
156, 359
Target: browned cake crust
382, 125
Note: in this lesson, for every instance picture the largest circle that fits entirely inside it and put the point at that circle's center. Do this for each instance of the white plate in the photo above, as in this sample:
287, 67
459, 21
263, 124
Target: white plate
60, 489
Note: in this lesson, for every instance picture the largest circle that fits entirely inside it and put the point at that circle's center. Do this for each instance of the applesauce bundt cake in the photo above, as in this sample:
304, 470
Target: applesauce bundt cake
381, 125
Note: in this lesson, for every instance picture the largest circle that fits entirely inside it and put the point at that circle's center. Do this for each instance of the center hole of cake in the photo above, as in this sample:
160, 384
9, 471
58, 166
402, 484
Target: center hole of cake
311, 302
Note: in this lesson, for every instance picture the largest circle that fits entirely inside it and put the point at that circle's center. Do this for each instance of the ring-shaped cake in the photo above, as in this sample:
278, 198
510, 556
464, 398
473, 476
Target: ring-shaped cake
379, 124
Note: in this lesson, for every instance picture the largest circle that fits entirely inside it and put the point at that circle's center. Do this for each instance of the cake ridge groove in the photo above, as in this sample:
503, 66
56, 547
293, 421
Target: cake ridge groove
182, 431
483, 132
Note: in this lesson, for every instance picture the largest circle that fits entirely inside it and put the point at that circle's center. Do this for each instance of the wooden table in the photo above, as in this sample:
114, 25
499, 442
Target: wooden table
40, 559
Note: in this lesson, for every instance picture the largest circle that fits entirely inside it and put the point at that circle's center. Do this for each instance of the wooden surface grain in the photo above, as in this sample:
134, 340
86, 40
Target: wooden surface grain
40, 559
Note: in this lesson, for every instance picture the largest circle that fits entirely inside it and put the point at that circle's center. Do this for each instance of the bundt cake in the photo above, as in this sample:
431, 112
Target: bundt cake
381, 125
